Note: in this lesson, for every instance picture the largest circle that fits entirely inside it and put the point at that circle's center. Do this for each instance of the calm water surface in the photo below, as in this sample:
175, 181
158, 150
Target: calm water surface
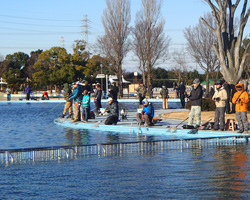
210, 173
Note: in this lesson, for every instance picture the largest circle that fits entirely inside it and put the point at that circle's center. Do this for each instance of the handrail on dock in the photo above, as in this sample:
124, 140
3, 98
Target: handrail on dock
8, 156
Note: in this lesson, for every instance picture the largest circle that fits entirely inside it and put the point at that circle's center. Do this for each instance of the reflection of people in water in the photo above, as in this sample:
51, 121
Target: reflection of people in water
77, 137
113, 137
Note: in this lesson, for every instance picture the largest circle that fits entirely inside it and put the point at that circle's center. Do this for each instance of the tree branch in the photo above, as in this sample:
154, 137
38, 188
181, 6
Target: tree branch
205, 22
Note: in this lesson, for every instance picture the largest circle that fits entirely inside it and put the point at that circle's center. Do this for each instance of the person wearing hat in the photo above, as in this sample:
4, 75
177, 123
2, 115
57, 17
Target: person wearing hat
220, 98
164, 96
68, 103
196, 98
113, 109
241, 99
147, 113
98, 98
141, 92
77, 98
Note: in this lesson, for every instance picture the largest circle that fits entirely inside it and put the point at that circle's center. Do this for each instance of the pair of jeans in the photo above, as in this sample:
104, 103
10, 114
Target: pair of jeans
85, 113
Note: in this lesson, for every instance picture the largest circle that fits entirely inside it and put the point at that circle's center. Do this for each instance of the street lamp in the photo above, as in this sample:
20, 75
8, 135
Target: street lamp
101, 65
135, 75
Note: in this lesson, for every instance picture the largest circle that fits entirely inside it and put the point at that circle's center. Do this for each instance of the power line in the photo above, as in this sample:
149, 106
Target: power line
36, 24
56, 20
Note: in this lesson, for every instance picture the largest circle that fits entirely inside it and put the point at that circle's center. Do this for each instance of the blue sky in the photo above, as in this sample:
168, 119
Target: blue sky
30, 25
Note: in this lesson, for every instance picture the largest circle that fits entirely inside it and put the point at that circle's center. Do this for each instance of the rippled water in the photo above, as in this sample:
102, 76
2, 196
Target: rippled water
199, 173
32, 125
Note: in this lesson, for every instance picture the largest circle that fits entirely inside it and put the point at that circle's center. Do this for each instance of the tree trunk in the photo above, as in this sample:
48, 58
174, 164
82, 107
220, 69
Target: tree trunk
231, 76
207, 83
119, 75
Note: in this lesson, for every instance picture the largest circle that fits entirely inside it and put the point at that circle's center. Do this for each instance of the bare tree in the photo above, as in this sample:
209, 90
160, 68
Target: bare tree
228, 47
200, 46
150, 43
181, 67
114, 44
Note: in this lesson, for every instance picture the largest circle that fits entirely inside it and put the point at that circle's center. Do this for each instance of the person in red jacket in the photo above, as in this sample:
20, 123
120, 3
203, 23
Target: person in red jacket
241, 99
45, 96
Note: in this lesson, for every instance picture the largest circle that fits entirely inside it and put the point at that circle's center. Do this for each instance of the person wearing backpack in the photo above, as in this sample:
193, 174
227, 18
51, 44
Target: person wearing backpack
241, 99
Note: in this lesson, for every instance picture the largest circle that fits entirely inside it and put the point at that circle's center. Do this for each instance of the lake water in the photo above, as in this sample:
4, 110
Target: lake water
200, 173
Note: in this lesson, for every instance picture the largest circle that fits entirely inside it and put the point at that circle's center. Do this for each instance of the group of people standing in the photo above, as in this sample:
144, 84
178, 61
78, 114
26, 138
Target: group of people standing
27, 92
79, 99
240, 99
181, 89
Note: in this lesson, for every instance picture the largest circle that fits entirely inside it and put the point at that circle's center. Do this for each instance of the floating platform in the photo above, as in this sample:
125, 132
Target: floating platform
61, 100
166, 127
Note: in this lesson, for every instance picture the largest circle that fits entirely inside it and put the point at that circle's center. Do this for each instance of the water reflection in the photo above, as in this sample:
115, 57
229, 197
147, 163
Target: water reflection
113, 137
232, 171
77, 137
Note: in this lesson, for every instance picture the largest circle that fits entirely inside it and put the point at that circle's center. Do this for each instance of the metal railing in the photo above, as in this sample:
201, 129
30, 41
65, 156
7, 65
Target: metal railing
8, 156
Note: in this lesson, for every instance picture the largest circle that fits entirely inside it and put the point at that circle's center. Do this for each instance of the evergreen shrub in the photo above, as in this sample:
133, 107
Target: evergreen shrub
207, 105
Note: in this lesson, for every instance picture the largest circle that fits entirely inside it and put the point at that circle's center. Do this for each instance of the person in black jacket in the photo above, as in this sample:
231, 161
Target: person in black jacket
113, 109
98, 98
114, 91
195, 97
182, 91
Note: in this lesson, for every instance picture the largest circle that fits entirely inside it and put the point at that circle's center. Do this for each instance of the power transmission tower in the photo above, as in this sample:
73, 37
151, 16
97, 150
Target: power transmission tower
85, 26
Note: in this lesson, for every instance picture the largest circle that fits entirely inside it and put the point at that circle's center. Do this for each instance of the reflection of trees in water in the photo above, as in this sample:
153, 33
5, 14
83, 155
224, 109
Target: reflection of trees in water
76, 136
230, 167
231, 171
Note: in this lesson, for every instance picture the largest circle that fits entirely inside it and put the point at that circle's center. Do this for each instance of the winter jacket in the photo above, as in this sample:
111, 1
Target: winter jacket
98, 93
77, 94
86, 101
149, 109
242, 97
27, 90
222, 95
182, 89
164, 93
114, 92
141, 90
67, 92
114, 108
196, 96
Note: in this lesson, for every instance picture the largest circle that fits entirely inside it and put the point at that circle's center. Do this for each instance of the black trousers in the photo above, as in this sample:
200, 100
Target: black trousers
111, 120
182, 98
98, 105
141, 98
